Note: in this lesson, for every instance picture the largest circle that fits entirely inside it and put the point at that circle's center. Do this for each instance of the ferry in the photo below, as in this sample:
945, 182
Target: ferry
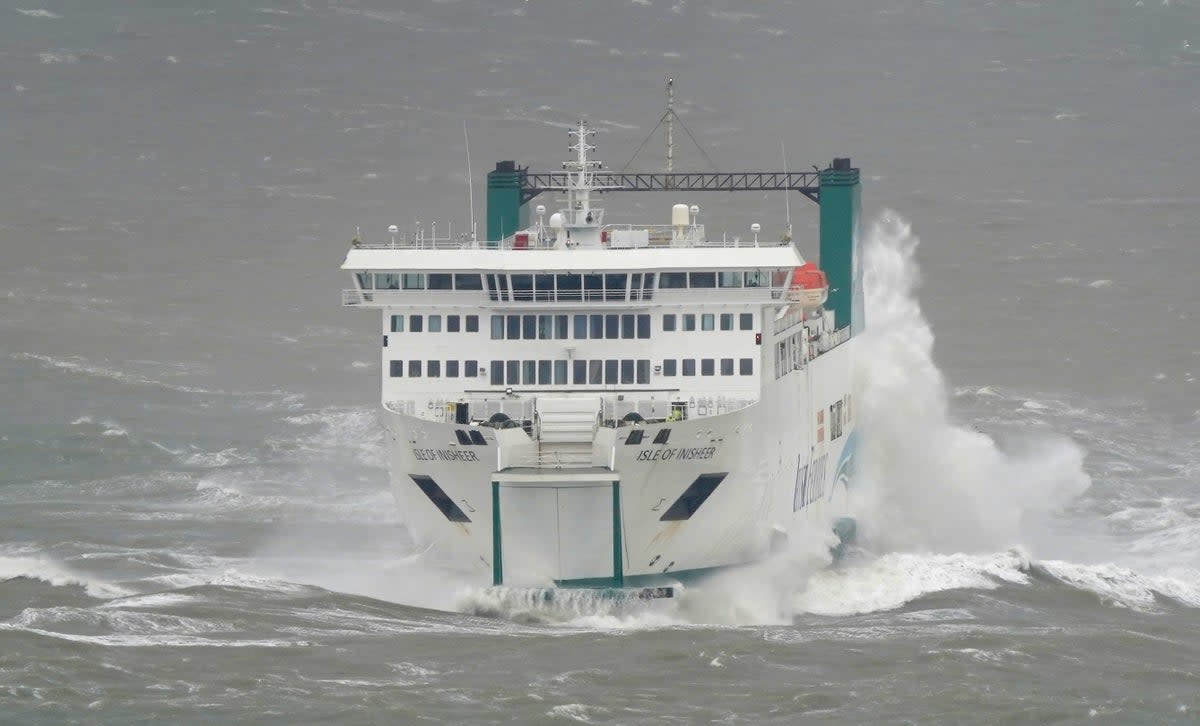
574, 402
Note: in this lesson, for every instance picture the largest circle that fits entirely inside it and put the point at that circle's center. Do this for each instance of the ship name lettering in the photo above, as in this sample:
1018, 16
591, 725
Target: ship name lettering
677, 454
444, 455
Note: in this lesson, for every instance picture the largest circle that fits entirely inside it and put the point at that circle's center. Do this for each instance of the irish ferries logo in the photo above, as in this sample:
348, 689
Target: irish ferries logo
843, 474
813, 482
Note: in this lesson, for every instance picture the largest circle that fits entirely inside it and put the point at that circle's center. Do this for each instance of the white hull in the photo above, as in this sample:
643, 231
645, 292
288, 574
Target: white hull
574, 526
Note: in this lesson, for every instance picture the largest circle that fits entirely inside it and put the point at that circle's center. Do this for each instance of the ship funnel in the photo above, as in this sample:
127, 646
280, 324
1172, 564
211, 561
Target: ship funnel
840, 258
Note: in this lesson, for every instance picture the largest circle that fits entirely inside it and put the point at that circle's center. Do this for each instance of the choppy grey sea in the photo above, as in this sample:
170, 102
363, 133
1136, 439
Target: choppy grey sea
195, 525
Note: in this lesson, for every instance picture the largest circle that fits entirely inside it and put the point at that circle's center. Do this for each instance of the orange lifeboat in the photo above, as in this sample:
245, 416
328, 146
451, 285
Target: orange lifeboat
809, 286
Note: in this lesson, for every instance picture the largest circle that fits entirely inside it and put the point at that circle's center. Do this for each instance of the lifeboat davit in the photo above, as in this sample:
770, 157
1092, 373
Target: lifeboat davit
810, 287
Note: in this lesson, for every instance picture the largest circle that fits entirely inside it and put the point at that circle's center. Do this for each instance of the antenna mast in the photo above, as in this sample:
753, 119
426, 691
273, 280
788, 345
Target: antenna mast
670, 125
470, 186
787, 206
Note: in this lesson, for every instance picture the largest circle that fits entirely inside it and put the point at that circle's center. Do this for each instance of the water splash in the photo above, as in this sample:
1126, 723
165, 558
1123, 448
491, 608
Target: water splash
926, 482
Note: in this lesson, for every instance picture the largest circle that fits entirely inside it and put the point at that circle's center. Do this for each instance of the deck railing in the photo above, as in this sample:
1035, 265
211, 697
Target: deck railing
658, 236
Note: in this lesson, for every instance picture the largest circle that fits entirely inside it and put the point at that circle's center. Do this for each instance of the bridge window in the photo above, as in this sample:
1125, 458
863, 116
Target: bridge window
672, 280
415, 323
726, 321
668, 367
708, 322
707, 367
413, 281
364, 280
689, 366
396, 368
593, 287
729, 279
569, 287
643, 326
435, 323
757, 278
387, 281
497, 378
468, 282
702, 279
560, 372
433, 369
414, 369
669, 322
727, 366
689, 322
746, 321
397, 323
643, 371
522, 287
471, 368
579, 372
615, 285
440, 281
544, 286
746, 367
452, 369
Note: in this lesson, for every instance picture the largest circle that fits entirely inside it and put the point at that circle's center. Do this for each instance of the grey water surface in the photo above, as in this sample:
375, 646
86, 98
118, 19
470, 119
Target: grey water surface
195, 525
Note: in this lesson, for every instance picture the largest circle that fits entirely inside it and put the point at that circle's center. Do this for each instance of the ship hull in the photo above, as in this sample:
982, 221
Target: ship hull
721, 490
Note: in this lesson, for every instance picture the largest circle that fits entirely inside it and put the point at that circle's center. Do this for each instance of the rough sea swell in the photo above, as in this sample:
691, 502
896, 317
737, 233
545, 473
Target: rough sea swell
974, 492
270, 575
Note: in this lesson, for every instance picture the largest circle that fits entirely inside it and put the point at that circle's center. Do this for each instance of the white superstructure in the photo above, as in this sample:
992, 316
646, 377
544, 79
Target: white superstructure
596, 404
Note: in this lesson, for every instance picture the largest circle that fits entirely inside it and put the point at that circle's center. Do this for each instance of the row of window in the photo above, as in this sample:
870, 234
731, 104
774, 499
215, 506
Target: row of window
561, 327
708, 367
433, 323
434, 368
419, 281
554, 372
557, 327
583, 372
708, 321
572, 286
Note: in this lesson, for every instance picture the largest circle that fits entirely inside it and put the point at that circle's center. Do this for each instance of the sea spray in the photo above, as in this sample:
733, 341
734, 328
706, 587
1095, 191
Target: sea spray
925, 482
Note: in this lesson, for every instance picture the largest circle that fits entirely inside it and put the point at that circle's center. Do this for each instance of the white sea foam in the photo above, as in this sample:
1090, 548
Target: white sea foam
58, 57
1123, 587
156, 600
923, 481
39, 567
39, 13
897, 579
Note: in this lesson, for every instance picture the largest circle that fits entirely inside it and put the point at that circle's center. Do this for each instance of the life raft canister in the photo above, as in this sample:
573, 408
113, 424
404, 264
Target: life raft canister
809, 286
